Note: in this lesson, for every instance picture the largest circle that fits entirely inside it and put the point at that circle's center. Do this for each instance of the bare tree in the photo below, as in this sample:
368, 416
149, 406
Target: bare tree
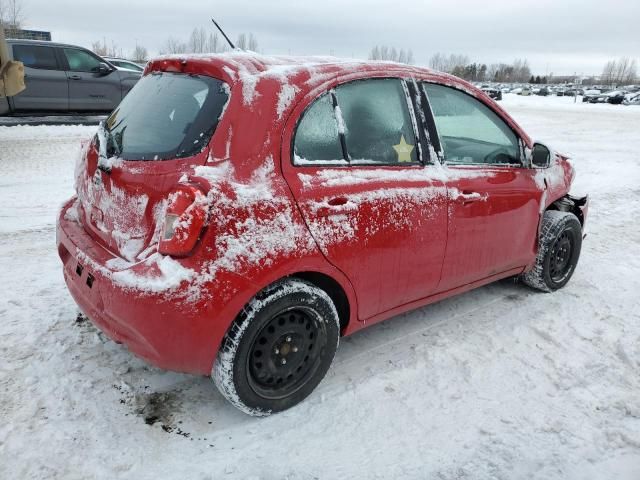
253, 43
241, 43
198, 41
11, 13
140, 54
105, 50
619, 72
391, 54
173, 45
448, 64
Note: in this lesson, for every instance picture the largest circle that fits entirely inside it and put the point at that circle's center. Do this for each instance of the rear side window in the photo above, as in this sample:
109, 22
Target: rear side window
378, 127
166, 116
317, 137
81, 61
370, 125
36, 56
470, 132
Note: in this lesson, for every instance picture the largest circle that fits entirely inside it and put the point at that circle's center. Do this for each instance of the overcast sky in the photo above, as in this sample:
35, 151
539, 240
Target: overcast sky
559, 36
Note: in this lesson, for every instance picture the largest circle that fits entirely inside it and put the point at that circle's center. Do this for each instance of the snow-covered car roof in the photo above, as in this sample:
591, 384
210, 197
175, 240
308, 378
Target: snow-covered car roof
305, 72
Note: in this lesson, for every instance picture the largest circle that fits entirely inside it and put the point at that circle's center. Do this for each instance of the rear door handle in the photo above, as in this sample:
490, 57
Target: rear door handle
469, 197
337, 201
336, 206
75, 77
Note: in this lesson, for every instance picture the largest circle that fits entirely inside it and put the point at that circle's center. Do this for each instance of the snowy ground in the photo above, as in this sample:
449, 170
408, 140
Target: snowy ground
499, 383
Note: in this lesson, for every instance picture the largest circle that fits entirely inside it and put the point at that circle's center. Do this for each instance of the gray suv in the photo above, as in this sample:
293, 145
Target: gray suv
65, 78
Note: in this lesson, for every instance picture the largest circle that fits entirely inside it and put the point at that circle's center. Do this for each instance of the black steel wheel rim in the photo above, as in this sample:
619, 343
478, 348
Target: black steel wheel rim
560, 262
286, 353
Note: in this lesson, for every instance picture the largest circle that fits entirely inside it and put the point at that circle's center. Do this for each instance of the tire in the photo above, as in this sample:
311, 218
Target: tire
278, 349
558, 251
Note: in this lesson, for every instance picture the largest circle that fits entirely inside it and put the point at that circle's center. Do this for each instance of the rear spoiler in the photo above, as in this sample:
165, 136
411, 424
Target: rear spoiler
11, 72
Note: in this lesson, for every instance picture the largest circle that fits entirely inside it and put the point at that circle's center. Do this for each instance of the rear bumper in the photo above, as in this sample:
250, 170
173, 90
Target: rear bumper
164, 328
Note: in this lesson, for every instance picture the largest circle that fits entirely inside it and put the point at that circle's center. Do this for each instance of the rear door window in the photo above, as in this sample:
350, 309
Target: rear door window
365, 122
166, 116
36, 56
377, 123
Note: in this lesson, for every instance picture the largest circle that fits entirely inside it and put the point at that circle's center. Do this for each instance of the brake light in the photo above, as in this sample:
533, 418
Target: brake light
186, 216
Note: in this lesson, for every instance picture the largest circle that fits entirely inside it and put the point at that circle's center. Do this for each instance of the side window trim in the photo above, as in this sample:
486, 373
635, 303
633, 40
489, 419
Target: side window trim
420, 122
430, 121
337, 115
520, 163
62, 59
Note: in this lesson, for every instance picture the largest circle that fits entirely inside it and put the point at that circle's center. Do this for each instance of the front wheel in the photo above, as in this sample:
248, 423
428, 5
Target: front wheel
558, 251
278, 349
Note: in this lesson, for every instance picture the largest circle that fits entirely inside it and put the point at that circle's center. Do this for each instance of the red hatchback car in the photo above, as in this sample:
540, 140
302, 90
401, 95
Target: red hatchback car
237, 214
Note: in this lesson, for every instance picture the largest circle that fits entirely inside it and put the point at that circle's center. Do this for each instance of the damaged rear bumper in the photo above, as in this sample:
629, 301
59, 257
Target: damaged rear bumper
164, 329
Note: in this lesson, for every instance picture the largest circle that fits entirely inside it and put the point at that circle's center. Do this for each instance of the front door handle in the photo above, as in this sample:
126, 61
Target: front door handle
75, 77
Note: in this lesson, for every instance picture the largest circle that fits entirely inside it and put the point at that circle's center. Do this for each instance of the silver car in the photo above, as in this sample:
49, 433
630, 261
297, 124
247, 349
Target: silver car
65, 78
121, 63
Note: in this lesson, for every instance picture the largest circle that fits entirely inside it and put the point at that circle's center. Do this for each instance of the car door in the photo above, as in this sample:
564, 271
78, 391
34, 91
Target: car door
376, 211
494, 199
46, 82
89, 88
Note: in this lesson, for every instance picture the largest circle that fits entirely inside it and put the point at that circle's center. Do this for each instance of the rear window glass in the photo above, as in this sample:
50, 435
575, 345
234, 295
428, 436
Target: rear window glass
35, 56
166, 116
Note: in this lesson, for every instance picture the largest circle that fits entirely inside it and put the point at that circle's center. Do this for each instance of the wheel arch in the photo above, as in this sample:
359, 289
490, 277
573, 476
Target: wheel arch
570, 203
334, 289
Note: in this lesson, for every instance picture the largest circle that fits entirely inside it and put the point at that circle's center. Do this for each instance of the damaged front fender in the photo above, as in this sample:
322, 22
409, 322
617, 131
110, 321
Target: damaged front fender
578, 205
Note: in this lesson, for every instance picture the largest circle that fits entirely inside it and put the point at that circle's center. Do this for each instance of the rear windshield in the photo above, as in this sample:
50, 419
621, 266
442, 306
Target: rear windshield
166, 116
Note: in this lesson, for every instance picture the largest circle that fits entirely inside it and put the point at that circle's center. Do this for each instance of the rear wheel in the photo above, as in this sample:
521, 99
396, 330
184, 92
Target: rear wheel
278, 349
558, 251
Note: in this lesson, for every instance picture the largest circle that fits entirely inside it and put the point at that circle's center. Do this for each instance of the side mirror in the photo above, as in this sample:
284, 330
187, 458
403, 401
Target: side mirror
540, 156
103, 69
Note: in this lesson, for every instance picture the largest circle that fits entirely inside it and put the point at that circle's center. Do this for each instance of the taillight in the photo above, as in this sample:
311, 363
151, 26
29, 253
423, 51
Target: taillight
186, 216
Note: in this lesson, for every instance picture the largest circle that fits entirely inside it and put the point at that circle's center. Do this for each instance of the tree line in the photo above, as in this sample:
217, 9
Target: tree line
199, 41
391, 54
460, 66
11, 15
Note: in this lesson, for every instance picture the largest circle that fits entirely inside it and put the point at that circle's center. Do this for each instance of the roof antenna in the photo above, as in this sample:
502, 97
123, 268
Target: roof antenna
233, 47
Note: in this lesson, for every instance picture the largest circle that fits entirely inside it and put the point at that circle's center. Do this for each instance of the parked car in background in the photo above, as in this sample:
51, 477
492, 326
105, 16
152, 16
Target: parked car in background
525, 91
121, 63
591, 94
65, 78
235, 221
543, 92
494, 93
616, 97
632, 99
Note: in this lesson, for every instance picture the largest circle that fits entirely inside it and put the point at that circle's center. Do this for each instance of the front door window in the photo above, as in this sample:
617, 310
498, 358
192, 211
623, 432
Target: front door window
470, 132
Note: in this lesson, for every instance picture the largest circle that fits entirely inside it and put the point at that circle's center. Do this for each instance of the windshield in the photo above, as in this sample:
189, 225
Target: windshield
165, 116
